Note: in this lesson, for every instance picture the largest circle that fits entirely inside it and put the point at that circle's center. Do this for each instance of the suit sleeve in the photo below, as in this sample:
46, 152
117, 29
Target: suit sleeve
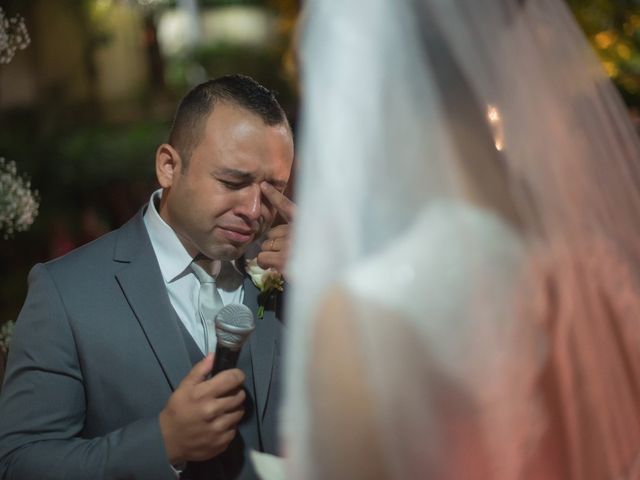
42, 406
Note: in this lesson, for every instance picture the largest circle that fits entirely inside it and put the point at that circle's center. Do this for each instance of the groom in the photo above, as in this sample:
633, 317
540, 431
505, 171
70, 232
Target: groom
107, 376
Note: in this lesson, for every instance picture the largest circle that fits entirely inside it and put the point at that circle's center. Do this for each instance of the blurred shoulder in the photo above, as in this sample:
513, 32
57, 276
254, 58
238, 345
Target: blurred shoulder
447, 244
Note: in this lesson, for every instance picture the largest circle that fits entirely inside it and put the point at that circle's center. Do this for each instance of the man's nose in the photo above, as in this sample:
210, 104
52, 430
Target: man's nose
251, 205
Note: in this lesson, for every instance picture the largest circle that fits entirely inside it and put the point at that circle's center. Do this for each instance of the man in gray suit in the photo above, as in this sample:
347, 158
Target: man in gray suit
107, 376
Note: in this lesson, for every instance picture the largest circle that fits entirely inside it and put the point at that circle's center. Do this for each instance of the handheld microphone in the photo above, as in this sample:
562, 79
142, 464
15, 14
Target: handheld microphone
234, 323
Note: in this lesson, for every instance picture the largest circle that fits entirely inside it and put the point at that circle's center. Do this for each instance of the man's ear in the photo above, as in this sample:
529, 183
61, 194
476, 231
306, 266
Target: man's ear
168, 165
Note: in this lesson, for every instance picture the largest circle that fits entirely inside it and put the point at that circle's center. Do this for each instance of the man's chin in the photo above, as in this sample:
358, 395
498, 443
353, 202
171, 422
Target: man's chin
228, 252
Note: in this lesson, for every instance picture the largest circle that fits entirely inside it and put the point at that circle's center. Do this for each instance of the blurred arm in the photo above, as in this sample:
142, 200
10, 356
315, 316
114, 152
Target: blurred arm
343, 417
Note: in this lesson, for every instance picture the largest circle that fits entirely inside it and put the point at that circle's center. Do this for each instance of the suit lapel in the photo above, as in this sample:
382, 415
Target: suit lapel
262, 345
142, 284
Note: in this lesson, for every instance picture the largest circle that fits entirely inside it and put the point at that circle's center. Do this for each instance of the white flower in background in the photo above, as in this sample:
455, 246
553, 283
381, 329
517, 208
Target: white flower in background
18, 203
6, 330
13, 36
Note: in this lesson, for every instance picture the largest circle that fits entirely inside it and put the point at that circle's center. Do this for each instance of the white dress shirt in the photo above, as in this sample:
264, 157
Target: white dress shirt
182, 284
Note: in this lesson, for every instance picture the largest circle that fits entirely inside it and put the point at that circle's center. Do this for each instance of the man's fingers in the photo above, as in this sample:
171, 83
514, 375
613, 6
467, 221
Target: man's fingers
228, 421
222, 384
284, 206
225, 405
200, 370
271, 260
280, 231
276, 239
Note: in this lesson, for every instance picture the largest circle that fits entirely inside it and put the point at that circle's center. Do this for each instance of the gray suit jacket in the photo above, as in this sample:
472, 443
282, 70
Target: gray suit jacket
97, 351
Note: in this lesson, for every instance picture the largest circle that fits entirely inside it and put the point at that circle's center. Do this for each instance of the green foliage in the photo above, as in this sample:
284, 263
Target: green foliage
100, 154
613, 28
87, 156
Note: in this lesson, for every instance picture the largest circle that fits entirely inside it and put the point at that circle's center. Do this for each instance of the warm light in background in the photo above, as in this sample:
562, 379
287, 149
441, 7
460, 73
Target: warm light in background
613, 29
246, 25
604, 39
610, 68
495, 122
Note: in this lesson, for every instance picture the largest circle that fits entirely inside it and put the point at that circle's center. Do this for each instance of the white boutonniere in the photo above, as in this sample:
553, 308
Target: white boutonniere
268, 281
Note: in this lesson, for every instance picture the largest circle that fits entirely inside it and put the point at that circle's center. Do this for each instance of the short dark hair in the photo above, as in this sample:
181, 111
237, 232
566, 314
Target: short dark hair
199, 102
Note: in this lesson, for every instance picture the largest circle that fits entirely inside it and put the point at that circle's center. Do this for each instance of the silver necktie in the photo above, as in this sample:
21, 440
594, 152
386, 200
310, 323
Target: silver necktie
209, 302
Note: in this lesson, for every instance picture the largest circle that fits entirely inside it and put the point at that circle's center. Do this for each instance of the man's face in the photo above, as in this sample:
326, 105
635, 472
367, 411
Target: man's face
216, 206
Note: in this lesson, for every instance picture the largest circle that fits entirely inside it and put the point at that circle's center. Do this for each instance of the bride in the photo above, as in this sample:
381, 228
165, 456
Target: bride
466, 298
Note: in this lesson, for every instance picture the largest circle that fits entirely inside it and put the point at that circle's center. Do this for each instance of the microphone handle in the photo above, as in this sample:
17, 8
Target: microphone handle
225, 359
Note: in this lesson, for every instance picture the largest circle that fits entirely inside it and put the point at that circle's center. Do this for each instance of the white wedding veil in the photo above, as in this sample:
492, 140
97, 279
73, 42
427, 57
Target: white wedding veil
465, 295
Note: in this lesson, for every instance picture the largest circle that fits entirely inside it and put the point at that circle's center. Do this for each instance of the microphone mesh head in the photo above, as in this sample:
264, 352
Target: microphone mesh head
234, 323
